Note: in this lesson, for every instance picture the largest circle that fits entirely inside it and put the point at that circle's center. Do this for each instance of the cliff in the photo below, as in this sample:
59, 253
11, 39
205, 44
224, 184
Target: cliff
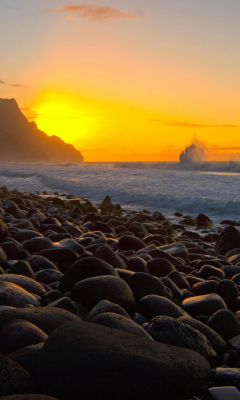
22, 141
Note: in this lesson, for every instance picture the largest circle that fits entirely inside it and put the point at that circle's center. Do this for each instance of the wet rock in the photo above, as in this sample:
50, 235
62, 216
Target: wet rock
137, 264
22, 268
18, 334
143, 284
171, 331
217, 342
177, 250
48, 276
160, 267
203, 305
152, 305
226, 377
225, 323
60, 255
116, 321
45, 318
25, 283
127, 361
204, 222
106, 254
13, 378
38, 263
228, 239
92, 290
83, 269
14, 296
127, 242
106, 306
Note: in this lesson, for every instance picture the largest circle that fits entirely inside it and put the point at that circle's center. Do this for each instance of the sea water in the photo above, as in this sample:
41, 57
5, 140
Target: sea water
212, 188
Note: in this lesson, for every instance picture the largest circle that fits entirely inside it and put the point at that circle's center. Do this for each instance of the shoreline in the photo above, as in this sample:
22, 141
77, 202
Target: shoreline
117, 277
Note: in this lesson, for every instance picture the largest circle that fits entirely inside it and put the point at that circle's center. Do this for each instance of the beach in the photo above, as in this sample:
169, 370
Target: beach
107, 290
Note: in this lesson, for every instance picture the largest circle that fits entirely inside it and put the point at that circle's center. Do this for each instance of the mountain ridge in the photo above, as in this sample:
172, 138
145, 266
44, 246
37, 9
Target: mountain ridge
22, 141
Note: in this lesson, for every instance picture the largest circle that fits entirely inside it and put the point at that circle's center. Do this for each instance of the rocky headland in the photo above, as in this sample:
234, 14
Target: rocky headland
22, 141
97, 302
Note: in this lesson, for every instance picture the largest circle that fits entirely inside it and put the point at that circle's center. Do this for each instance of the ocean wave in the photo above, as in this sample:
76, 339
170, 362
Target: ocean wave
202, 166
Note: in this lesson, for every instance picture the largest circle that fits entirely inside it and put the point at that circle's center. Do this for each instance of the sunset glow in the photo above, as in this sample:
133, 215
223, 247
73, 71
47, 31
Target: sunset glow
126, 81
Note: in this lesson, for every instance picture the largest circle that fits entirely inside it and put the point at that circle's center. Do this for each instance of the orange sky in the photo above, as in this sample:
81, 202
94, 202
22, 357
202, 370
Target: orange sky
126, 81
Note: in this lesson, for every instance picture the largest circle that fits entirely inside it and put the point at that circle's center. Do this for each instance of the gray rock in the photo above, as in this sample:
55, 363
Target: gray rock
13, 378
171, 331
92, 290
14, 296
203, 305
24, 282
116, 321
83, 269
143, 285
152, 305
225, 323
116, 365
106, 306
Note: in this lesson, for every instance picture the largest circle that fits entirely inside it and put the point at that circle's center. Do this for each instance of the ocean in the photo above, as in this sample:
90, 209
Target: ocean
190, 187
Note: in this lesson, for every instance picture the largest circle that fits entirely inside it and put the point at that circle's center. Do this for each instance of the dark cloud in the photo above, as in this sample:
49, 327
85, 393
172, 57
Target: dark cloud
2, 83
17, 85
191, 125
97, 13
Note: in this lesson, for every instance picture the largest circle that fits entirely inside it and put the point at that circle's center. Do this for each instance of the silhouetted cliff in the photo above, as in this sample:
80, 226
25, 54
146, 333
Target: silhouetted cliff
21, 140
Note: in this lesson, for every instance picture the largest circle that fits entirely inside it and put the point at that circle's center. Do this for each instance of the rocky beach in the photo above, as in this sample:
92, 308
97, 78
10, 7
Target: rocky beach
100, 302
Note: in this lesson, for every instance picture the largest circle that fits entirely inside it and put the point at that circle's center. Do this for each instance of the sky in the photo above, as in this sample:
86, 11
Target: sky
127, 80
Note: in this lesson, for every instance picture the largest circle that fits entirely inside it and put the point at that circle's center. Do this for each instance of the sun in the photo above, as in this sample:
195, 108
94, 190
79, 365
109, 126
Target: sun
63, 116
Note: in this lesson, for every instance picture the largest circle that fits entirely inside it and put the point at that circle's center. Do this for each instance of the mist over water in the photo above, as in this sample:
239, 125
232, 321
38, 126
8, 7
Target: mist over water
193, 153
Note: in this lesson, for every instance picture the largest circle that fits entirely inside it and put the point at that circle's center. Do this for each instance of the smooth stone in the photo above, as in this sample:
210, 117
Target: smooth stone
83, 269
143, 284
160, 267
228, 239
208, 270
15, 296
158, 253
152, 305
228, 290
3, 229
203, 222
216, 340
11, 249
226, 377
106, 306
129, 363
137, 227
116, 321
231, 270
176, 333
25, 234
235, 343
203, 305
105, 253
224, 393
205, 287
176, 292
22, 268
40, 243
72, 244
18, 334
60, 255
13, 378
106, 287
137, 264
177, 250
127, 242
3, 256
27, 357
225, 323
45, 318
38, 263
24, 282
65, 303
179, 279
48, 276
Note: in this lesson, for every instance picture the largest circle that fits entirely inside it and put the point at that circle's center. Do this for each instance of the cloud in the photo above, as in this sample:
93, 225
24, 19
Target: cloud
97, 13
2, 83
191, 125
17, 85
